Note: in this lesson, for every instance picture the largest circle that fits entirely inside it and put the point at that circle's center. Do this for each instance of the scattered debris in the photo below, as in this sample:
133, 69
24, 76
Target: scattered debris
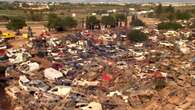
96, 70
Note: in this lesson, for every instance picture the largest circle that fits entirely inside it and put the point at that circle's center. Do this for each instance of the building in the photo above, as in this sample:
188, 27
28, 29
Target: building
34, 5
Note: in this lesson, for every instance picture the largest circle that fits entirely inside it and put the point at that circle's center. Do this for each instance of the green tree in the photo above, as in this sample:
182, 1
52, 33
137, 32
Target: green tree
137, 36
167, 12
192, 25
92, 22
171, 16
120, 18
159, 9
170, 9
169, 25
16, 23
54, 22
136, 21
183, 15
6, 5
108, 21
60, 24
69, 22
35, 16
4, 18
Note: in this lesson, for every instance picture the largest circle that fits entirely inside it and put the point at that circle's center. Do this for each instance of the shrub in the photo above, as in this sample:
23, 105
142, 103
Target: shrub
136, 21
137, 36
169, 25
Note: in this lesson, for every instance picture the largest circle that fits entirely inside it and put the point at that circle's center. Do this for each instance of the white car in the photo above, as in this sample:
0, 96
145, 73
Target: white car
28, 67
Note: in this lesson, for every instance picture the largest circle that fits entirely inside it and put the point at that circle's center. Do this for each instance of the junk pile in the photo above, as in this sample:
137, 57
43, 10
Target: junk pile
98, 71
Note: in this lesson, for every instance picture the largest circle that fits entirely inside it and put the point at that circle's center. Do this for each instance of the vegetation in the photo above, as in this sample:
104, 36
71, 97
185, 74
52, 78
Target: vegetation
69, 22
6, 5
35, 16
137, 36
136, 21
4, 18
169, 25
159, 9
167, 9
108, 21
120, 18
92, 22
193, 24
170, 13
54, 22
60, 24
16, 23
183, 15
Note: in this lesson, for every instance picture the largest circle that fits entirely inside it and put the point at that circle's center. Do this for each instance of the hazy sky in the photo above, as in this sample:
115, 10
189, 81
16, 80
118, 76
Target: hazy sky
125, 1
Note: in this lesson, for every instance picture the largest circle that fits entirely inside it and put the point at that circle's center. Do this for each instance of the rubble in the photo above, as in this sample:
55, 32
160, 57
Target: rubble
60, 90
92, 106
28, 67
96, 70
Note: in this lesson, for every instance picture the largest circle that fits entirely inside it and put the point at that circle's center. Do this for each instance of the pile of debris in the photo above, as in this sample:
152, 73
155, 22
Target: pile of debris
93, 71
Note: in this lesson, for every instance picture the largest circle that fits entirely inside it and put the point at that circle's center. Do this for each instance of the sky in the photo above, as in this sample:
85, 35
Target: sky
121, 1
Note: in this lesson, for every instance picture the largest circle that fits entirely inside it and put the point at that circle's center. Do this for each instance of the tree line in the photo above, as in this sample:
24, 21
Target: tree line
170, 13
109, 21
56, 23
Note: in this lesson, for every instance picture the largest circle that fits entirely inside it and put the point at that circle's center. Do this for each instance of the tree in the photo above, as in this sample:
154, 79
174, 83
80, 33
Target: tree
170, 9
69, 22
108, 21
183, 15
120, 18
16, 23
171, 17
159, 9
137, 36
167, 12
192, 25
6, 5
136, 21
134, 17
54, 22
35, 16
92, 22
60, 24
4, 18
169, 25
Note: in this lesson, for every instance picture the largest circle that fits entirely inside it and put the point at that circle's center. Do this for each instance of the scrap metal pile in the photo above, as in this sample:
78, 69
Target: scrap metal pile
102, 71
